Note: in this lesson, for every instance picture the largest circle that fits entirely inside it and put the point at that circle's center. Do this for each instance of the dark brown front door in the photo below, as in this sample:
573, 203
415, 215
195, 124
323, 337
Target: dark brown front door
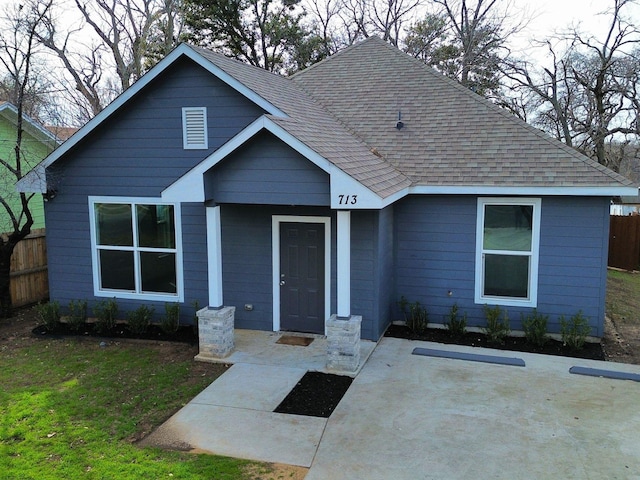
302, 277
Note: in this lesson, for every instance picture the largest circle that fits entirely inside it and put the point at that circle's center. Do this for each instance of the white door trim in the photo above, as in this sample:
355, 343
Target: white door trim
276, 220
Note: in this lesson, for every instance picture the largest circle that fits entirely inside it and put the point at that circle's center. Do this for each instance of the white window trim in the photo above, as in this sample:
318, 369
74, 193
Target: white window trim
532, 301
275, 237
95, 263
185, 127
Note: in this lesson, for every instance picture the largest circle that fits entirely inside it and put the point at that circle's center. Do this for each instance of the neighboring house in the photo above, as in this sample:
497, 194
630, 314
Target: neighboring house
626, 206
359, 180
37, 143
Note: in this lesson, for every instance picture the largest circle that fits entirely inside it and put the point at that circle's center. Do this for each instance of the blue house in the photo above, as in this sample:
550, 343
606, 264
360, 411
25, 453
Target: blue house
336, 191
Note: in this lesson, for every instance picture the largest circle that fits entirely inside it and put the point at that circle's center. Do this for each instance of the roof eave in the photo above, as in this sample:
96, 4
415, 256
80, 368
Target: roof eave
529, 190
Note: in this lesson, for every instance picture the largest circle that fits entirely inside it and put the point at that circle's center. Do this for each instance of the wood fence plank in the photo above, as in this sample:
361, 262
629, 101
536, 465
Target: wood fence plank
624, 242
29, 274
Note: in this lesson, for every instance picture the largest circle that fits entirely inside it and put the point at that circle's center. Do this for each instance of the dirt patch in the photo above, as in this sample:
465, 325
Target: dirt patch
276, 471
621, 342
317, 394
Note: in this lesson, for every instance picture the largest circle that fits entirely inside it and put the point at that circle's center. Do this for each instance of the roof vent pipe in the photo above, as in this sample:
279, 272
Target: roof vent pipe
399, 124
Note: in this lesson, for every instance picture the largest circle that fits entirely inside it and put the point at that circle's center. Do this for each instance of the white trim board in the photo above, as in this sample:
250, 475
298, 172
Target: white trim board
276, 220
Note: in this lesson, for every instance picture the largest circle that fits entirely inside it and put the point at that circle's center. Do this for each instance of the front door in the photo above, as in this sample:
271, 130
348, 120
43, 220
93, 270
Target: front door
302, 277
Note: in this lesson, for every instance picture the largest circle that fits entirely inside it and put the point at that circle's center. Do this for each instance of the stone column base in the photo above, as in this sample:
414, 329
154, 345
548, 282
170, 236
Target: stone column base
215, 333
343, 343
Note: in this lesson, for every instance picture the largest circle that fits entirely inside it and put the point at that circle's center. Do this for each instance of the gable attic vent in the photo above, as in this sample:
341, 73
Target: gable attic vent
194, 128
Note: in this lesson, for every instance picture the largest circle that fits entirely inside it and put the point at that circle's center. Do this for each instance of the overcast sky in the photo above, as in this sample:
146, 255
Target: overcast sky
549, 16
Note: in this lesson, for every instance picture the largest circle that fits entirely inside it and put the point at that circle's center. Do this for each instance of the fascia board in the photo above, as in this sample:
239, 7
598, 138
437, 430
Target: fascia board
566, 191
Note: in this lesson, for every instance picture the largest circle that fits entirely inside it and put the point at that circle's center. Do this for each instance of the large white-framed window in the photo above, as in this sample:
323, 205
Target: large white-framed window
136, 248
507, 245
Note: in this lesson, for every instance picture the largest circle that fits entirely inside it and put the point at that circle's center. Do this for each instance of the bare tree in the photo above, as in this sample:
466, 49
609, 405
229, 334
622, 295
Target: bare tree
467, 40
115, 42
18, 47
588, 96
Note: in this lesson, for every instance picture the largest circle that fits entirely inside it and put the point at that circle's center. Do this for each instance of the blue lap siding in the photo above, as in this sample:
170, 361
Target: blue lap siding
435, 254
138, 152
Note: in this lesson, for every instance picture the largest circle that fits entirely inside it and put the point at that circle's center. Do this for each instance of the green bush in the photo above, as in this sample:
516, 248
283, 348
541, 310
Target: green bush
49, 314
106, 312
171, 320
574, 331
497, 329
139, 319
534, 326
456, 325
77, 314
418, 318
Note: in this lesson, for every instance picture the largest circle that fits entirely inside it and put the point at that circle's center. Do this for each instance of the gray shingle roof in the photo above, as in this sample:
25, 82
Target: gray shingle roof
451, 136
313, 125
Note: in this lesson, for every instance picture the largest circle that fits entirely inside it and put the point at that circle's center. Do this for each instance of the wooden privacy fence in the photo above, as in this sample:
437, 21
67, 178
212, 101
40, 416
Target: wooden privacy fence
624, 242
29, 275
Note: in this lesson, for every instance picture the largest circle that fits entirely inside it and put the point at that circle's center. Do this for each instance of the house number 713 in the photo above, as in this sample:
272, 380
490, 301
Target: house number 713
347, 199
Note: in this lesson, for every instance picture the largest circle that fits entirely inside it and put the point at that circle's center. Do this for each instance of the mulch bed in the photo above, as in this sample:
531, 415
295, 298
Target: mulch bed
184, 334
592, 351
317, 394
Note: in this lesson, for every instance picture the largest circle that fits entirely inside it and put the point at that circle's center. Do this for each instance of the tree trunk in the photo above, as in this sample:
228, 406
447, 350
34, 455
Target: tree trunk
5, 281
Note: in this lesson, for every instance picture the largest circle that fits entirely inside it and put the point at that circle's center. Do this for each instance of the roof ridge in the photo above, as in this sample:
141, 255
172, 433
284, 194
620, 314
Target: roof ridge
208, 51
339, 53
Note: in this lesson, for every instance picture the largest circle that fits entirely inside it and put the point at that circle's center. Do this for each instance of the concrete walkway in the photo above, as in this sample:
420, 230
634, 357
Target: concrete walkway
415, 417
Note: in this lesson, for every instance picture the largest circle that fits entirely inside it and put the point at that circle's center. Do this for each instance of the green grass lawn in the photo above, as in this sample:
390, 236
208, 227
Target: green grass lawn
623, 297
70, 409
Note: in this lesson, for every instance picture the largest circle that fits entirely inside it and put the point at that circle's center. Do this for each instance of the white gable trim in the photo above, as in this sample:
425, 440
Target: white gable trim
124, 97
190, 187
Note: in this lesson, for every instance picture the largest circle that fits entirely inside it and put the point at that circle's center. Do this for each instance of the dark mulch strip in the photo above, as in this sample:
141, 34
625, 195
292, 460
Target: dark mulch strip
185, 334
316, 395
592, 351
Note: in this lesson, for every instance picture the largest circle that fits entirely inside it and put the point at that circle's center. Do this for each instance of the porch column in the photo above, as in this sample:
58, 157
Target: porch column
214, 256
344, 263
343, 329
215, 322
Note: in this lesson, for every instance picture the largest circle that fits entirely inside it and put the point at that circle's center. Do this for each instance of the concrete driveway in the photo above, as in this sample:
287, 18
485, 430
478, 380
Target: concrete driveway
419, 417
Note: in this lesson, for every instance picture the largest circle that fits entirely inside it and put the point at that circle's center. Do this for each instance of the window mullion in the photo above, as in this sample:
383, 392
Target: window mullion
136, 249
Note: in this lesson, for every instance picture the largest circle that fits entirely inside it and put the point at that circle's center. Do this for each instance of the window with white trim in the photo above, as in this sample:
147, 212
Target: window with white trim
136, 249
194, 128
507, 243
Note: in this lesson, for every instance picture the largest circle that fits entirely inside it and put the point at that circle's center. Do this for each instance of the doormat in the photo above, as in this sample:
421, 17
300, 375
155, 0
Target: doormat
295, 340
315, 395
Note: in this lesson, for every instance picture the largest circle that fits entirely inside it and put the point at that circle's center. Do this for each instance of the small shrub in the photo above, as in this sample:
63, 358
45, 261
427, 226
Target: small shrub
77, 314
106, 312
139, 319
456, 325
574, 331
497, 329
49, 314
418, 318
534, 326
171, 320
